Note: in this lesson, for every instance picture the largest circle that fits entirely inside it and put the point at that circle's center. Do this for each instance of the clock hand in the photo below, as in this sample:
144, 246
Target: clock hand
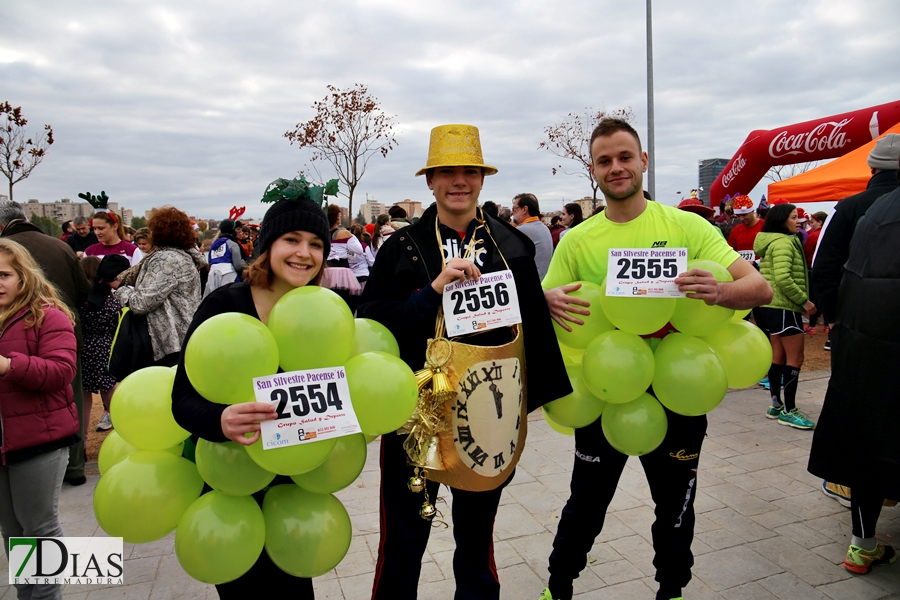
498, 399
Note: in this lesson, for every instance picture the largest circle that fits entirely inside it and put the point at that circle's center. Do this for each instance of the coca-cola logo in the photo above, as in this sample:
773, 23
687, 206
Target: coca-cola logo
736, 165
824, 136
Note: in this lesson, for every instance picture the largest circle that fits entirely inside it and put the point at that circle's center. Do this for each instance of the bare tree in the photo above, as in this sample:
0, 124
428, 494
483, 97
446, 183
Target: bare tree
570, 138
348, 129
19, 155
781, 172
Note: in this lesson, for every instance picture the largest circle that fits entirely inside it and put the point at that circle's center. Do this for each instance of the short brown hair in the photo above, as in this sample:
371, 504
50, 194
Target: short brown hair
170, 227
259, 272
610, 125
143, 234
334, 214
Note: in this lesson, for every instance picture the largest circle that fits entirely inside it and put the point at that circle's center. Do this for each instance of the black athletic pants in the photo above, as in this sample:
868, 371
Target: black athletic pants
865, 508
671, 472
404, 534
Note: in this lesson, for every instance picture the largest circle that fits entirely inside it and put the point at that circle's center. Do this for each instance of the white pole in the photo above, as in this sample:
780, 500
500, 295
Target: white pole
651, 143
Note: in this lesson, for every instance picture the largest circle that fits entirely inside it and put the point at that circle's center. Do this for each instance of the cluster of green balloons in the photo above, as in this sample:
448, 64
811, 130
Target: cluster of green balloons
706, 350
147, 489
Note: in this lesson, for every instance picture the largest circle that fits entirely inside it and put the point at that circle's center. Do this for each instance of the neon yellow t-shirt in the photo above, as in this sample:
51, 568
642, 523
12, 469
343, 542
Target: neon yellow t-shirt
583, 254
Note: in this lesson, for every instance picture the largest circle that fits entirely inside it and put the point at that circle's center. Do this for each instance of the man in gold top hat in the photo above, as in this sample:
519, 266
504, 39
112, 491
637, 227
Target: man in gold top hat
476, 433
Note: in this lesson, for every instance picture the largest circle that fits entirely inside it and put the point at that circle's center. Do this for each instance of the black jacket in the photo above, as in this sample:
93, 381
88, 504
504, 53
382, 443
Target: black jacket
59, 263
80, 244
834, 241
856, 441
192, 411
410, 260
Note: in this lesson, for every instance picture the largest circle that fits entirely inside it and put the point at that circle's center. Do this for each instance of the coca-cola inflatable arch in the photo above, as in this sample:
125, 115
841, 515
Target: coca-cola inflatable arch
828, 137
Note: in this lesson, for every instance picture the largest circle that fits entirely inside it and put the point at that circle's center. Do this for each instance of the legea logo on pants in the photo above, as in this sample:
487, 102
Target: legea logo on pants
63, 560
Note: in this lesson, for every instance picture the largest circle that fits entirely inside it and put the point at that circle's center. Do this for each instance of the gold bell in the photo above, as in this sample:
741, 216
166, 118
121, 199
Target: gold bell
416, 484
428, 511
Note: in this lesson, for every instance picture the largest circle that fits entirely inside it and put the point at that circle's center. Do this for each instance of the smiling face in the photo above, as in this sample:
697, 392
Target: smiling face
566, 218
456, 189
618, 166
10, 282
295, 259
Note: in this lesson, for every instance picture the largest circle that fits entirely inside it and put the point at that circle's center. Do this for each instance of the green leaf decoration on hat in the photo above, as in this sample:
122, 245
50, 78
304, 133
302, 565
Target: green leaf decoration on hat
98, 202
299, 188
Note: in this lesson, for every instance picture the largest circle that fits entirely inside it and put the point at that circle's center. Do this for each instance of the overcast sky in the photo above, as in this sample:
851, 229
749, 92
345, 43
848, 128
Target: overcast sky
185, 103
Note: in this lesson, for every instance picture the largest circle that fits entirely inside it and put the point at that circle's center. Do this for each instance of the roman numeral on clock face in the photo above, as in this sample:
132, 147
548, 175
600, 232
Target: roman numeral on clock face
479, 456
464, 433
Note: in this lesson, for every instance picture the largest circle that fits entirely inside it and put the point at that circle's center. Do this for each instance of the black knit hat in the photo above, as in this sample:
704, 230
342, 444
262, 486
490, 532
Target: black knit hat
287, 215
110, 267
226, 226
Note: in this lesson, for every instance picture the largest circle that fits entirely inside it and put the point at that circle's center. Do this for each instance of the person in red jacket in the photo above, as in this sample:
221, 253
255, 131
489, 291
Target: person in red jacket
816, 220
743, 235
39, 419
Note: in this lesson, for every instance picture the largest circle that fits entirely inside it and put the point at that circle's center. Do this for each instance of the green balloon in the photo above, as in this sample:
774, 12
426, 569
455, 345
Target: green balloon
745, 351
290, 460
618, 366
383, 391
307, 534
372, 336
637, 315
220, 537
143, 496
653, 342
141, 409
225, 353
114, 449
572, 357
690, 379
313, 328
370, 438
637, 427
556, 426
696, 317
594, 324
578, 409
228, 468
339, 470
740, 314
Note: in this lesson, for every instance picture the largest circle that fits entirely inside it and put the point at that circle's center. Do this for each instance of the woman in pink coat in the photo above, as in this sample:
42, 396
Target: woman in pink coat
38, 420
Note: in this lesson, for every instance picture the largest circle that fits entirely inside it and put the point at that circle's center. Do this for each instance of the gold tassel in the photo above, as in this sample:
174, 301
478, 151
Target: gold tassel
428, 418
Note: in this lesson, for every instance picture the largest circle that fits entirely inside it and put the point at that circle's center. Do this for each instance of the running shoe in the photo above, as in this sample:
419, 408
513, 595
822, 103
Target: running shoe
105, 423
826, 329
811, 331
546, 595
838, 492
863, 561
795, 419
827, 345
764, 382
774, 412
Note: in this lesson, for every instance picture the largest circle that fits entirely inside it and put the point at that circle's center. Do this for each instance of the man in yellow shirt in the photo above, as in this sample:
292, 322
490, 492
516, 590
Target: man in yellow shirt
630, 221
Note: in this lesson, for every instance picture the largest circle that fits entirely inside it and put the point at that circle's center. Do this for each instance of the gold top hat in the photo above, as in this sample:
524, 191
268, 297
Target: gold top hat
455, 146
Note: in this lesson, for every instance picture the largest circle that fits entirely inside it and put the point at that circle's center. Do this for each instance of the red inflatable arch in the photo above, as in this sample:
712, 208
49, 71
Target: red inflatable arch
828, 137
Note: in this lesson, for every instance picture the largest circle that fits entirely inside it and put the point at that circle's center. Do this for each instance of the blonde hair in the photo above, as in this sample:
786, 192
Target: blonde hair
35, 292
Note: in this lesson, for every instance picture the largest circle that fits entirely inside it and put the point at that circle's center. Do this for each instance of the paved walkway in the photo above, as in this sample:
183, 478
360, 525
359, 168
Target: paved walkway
764, 528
